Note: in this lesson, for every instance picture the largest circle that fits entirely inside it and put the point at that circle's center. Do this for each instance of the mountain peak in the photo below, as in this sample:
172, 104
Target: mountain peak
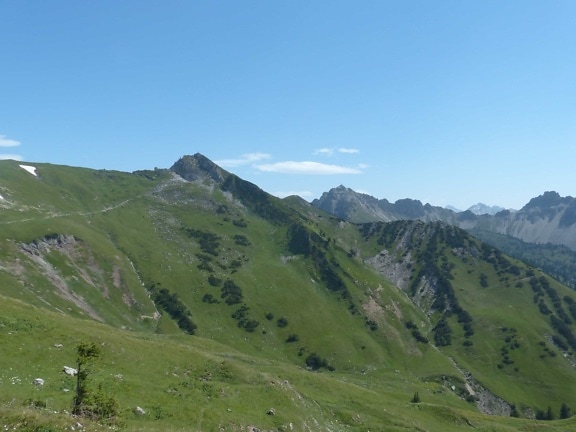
547, 199
482, 209
198, 167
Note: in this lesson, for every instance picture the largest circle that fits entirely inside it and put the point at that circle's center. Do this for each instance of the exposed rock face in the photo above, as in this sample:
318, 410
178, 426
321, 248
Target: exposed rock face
198, 167
547, 218
356, 207
398, 272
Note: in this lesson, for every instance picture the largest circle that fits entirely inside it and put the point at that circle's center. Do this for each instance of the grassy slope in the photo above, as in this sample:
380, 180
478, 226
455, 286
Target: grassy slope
503, 313
219, 386
122, 221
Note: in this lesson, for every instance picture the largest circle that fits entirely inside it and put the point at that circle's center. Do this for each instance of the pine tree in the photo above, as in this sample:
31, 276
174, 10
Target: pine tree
564, 411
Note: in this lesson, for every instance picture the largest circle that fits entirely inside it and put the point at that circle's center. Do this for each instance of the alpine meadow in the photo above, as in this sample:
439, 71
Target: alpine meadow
189, 299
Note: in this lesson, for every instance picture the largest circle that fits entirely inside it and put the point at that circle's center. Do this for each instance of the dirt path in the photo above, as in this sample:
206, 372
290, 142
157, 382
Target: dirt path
57, 215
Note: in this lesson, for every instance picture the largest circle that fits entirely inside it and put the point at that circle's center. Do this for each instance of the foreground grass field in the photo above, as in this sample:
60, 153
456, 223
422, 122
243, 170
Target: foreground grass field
186, 383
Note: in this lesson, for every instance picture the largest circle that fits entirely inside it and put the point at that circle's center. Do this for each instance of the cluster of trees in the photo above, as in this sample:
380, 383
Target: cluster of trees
415, 332
564, 331
442, 333
209, 242
571, 306
240, 223
541, 287
241, 240
244, 320
315, 362
498, 260
511, 343
205, 261
445, 300
171, 303
303, 241
556, 260
549, 414
231, 293
559, 319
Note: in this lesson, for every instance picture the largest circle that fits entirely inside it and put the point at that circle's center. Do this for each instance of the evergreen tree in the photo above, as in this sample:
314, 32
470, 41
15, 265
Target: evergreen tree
564, 411
415, 398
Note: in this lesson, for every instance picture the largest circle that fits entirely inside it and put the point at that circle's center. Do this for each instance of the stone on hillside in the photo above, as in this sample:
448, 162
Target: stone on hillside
38, 381
70, 371
139, 411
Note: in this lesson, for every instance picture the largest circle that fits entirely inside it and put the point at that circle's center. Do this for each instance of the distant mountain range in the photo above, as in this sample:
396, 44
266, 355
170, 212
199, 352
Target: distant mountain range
548, 218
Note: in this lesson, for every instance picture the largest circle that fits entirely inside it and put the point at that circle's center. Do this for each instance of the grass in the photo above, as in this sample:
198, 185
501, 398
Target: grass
131, 233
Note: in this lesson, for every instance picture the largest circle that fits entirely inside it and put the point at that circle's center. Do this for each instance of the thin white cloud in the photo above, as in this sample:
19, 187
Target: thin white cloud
6, 142
324, 151
10, 156
306, 167
348, 150
245, 159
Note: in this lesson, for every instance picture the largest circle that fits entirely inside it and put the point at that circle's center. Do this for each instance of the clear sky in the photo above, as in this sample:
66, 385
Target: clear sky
450, 102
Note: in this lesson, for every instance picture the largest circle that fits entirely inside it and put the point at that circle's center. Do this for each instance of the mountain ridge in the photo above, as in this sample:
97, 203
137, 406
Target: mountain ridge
548, 218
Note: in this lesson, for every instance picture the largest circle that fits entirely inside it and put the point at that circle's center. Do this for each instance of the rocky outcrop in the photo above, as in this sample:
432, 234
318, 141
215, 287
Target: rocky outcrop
357, 207
199, 167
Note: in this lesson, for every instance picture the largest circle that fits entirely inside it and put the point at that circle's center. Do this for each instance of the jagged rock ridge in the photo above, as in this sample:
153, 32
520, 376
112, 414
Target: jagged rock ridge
548, 218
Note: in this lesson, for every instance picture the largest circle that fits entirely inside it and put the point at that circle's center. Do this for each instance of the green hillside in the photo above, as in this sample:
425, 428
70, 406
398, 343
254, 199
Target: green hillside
509, 325
217, 307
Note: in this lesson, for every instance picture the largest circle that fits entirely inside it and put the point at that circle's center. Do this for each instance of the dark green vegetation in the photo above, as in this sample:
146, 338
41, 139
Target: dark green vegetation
211, 304
556, 260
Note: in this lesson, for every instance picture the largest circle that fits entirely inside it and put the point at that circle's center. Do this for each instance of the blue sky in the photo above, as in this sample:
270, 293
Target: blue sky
449, 102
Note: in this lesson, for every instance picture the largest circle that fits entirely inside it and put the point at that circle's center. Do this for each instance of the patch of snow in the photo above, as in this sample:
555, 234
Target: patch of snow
30, 169
1, 198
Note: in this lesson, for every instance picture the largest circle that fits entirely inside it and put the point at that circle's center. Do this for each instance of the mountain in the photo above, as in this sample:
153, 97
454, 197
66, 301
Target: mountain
548, 218
482, 209
197, 301
356, 207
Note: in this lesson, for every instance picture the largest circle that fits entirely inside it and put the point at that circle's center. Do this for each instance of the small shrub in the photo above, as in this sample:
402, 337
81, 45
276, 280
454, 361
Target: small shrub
214, 281
210, 299
371, 324
241, 240
315, 362
292, 338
